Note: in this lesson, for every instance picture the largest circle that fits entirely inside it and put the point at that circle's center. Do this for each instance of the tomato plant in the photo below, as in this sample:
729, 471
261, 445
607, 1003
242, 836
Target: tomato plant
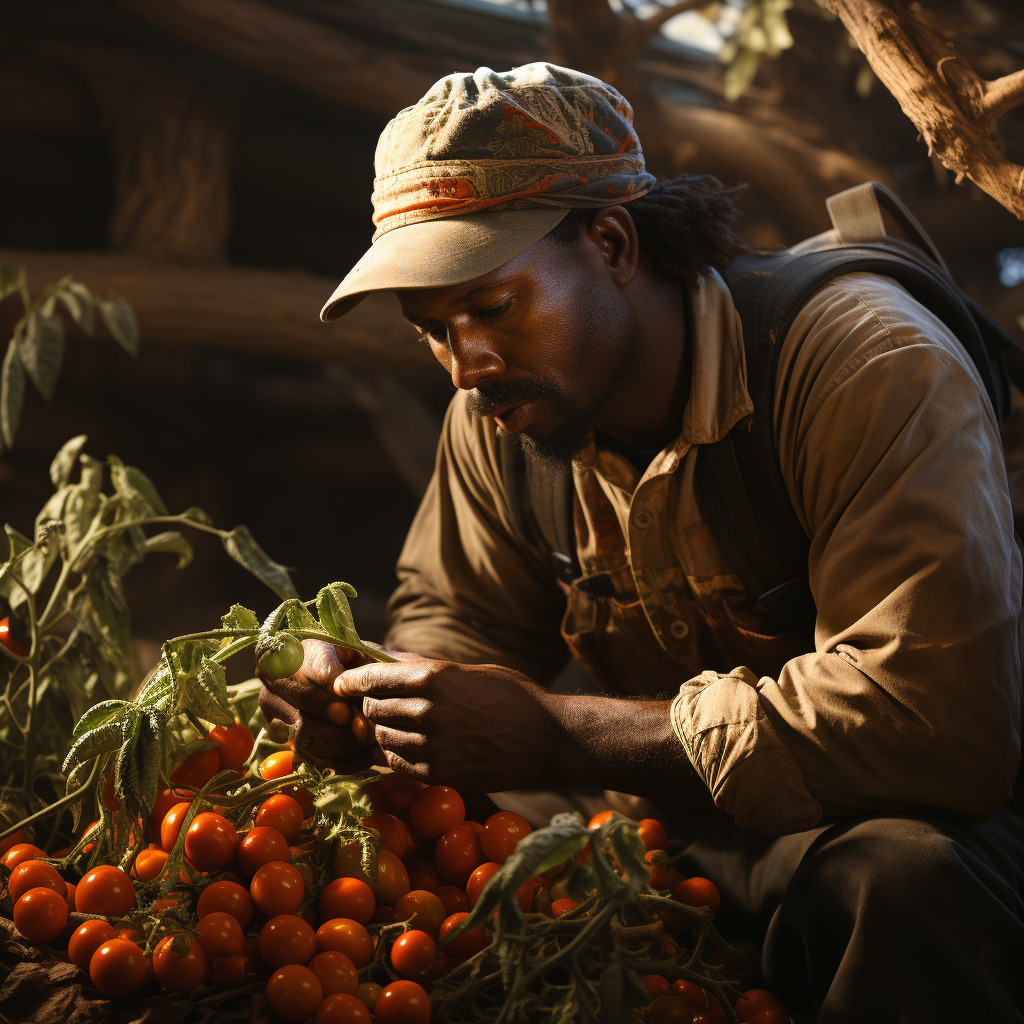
179, 973
287, 939
283, 659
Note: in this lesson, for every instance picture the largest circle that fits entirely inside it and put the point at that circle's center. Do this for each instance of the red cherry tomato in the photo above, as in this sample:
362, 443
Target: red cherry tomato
294, 992
18, 853
458, 854
392, 879
435, 809
197, 769
105, 890
367, 994
770, 1015
171, 825
345, 936
402, 1002
393, 833
179, 973
599, 819
657, 985
466, 944
412, 953
165, 800
234, 745
9, 640
277, 765
260, 846
418, 848
41, 914
286, 939
423, 874
277, 888
397, 792
653, 834
347, 897
755, 1000
117, 968
335, 972
35, 874
341, 1008
453, 899
211, 842
226, 898
670, 1010
86, 939
479, 879
500, 834
693, 994
148, 864
15, 839
221, 935
698, 892
423, 910
225, 970
660, 878
283, 813
563, 906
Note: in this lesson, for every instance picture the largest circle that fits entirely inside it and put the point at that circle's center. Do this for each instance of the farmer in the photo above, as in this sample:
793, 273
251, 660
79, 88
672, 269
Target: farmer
849, 787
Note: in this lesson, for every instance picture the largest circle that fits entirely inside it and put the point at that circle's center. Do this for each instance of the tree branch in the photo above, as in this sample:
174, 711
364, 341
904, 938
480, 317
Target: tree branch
940, 93
655, 21
1004, 94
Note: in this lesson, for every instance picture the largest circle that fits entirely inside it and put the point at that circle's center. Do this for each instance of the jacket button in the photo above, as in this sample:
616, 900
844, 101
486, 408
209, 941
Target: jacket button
642, 519
679, 629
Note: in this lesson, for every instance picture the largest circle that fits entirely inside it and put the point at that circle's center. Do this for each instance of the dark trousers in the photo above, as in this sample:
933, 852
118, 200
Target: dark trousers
879, 919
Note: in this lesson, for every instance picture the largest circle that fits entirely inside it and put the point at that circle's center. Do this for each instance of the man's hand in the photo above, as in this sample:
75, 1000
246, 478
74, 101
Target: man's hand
479, 728
305, 700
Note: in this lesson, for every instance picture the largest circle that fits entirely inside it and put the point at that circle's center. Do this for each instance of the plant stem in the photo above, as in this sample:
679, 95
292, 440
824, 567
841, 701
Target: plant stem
56, 806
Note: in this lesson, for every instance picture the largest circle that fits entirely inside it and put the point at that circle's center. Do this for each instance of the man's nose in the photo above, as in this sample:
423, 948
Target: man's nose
472, 359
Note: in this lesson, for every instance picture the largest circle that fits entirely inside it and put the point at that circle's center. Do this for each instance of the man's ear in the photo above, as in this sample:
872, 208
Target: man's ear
613, 234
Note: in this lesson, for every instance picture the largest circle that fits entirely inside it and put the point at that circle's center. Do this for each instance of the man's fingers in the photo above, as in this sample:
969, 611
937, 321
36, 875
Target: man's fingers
409, 745
396, 711
382, 679
274, 706
308, 697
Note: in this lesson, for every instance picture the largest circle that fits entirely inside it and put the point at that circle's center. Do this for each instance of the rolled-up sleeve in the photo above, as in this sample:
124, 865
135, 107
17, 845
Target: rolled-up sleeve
471, 589
912, 698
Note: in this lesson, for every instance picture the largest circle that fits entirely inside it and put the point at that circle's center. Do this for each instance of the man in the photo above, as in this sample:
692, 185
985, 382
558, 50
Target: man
575, 303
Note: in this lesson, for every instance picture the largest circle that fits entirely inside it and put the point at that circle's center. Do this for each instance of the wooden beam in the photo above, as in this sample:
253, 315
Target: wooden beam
243, 309
309, 55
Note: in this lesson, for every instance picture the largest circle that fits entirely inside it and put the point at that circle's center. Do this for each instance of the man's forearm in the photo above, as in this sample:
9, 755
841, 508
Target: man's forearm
625, 745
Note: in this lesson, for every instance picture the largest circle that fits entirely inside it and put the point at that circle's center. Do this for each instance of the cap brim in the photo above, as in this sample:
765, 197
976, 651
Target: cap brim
438, 253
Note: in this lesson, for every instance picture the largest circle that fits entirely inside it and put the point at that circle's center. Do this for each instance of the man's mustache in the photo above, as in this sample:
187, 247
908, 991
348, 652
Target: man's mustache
487, 398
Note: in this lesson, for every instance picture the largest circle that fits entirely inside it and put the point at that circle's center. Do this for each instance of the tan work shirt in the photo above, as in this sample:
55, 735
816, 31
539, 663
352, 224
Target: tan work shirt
892, 457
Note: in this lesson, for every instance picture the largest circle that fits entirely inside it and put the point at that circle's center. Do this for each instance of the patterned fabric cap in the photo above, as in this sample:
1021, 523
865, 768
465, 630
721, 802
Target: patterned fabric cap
538, 135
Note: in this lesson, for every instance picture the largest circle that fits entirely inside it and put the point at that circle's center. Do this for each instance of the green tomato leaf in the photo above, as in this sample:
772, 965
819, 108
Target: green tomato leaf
119, 318
240, 617
12, 393
64, 461
135, 487
101, 740
100, 714
41, 349
628, 849
620, 990
335, 613
299, 617
242, 547
11, 280
78, 301
170, 543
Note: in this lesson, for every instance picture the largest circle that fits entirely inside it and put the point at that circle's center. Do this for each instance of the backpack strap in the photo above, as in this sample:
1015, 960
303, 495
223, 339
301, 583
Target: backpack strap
540, 499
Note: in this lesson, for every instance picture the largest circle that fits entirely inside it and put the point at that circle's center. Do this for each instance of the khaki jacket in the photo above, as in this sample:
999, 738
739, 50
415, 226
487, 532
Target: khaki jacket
893, 461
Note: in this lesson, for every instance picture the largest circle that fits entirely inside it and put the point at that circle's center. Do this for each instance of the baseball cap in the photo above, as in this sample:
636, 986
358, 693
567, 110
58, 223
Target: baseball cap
483, 166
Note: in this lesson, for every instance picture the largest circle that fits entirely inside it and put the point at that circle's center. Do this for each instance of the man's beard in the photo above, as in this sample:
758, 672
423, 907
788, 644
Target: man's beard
572, 434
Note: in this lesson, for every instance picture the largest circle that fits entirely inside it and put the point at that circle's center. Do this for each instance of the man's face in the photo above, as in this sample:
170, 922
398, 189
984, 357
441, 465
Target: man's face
543, 342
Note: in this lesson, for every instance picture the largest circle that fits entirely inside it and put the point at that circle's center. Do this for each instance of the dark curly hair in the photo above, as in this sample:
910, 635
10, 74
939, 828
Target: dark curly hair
684, 225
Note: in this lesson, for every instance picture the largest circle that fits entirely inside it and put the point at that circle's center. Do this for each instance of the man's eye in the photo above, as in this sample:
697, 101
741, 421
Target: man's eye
432, 332
491, 312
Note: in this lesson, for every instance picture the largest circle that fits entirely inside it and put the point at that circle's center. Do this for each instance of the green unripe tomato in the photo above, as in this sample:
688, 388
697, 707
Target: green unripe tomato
283, 660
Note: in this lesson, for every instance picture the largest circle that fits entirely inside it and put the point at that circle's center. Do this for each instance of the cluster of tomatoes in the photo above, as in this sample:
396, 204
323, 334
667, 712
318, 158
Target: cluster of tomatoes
263, 911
